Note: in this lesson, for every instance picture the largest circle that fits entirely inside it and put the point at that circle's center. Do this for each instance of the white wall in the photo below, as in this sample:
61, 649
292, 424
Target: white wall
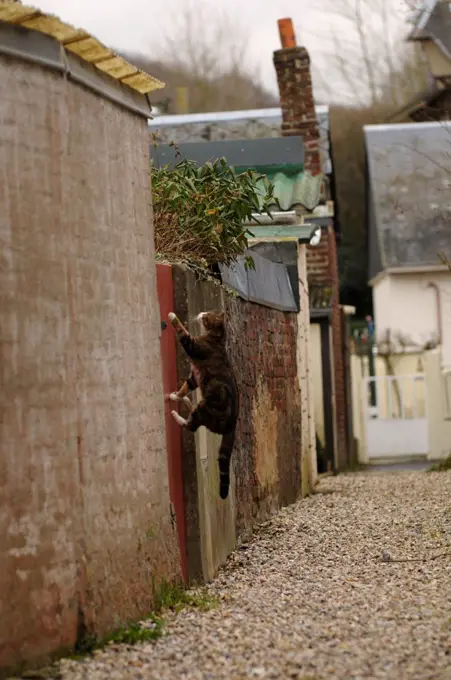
439, 422
406, 305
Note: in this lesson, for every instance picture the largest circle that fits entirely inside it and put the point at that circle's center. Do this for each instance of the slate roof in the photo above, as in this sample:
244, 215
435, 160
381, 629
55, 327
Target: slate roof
433, 22
408, 194
247, 124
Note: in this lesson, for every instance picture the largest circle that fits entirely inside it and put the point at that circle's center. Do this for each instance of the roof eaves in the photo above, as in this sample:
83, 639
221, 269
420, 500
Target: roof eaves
82, 44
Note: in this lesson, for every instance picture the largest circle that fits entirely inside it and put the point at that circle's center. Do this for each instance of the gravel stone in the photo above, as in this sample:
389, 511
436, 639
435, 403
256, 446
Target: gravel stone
352, 583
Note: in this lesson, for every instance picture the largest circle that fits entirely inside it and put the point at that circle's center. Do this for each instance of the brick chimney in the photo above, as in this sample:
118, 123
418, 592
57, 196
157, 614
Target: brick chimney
292, 65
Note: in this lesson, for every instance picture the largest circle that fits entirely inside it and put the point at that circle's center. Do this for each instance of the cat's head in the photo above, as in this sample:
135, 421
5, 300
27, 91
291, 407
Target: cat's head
213, 322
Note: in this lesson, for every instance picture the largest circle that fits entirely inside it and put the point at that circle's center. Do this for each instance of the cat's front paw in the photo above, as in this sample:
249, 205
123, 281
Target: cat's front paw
173, 397
171, 316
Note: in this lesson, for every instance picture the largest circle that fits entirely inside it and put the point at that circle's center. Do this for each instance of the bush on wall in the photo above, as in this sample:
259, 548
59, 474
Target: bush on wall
200, 211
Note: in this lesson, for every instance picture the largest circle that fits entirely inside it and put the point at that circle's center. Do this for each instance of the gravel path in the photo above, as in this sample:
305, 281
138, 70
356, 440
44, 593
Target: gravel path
319, 593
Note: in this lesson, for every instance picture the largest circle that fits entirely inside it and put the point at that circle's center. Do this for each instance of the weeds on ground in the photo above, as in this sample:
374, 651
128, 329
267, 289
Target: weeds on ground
442, 465
168, 597
175, 597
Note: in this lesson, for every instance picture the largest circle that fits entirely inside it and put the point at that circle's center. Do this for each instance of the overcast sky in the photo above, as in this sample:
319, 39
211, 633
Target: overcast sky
137, 25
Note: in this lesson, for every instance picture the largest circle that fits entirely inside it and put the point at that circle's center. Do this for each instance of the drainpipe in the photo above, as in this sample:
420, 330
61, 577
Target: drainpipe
433, 285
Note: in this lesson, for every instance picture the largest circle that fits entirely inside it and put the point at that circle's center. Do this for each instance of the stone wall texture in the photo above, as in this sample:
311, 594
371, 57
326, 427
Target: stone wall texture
85, 528
268, 448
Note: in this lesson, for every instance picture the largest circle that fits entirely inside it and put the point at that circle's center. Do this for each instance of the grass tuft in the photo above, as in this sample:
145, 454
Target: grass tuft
442, 465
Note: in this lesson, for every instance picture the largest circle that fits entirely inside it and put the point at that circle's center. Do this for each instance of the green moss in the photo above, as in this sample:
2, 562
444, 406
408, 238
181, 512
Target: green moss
175, 597
168, 596
150, 628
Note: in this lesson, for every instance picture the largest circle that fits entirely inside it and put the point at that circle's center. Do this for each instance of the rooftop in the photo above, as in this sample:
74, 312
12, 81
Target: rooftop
78, 42
432, 21
409, 194
223, 125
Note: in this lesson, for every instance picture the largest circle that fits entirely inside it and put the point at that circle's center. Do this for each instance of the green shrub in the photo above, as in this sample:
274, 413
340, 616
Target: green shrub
200, 211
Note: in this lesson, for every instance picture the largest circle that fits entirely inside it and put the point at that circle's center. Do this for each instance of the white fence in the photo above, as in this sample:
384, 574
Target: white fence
396, 416
405, 415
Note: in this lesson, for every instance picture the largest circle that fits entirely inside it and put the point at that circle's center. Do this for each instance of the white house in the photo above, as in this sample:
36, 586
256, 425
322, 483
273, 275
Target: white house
409, 219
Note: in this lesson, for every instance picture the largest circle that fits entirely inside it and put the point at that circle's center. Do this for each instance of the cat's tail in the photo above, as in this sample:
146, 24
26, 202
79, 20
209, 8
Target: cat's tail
225, 453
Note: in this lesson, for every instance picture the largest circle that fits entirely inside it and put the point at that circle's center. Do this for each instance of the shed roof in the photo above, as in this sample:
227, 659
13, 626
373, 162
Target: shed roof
79, 42
286, 152
246, 124
409, 194
280, 159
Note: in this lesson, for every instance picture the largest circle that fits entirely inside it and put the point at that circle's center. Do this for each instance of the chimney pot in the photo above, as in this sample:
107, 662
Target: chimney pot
286, 32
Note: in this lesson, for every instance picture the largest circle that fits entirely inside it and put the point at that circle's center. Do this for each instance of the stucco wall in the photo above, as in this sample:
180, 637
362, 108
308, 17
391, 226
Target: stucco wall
439, 417
267, 454
439, 64
84, 515
405, 304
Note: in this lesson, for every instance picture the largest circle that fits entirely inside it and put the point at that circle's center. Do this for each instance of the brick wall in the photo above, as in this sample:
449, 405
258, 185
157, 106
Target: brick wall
292, 66
85, 523
267, 464
267, 453
296, 99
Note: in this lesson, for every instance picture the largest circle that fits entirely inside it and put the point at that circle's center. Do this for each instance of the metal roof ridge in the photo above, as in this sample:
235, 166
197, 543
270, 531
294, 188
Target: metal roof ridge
389, 127
221, 116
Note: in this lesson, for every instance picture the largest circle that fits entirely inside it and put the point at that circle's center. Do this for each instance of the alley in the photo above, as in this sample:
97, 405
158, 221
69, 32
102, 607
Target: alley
354, 582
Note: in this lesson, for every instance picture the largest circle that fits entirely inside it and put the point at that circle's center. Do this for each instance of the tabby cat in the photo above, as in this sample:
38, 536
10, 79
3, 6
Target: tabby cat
212, 372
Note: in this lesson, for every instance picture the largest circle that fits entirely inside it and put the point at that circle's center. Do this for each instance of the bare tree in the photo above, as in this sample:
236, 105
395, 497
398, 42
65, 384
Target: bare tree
365, 51
208, 50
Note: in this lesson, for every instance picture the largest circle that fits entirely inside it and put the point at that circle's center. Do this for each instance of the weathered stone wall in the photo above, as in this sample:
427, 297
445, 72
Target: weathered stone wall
84, 507
267, 463
267, 453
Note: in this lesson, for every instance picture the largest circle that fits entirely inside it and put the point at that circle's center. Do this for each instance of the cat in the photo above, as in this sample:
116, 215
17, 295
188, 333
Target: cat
212, 372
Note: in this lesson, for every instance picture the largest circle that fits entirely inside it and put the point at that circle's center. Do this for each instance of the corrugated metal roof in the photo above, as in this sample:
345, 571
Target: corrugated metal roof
80, 43
227, 116
300, 189
410, 193
292, 186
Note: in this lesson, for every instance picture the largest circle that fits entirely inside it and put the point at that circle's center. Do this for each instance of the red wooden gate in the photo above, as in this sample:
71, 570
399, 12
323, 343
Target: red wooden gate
173, 433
